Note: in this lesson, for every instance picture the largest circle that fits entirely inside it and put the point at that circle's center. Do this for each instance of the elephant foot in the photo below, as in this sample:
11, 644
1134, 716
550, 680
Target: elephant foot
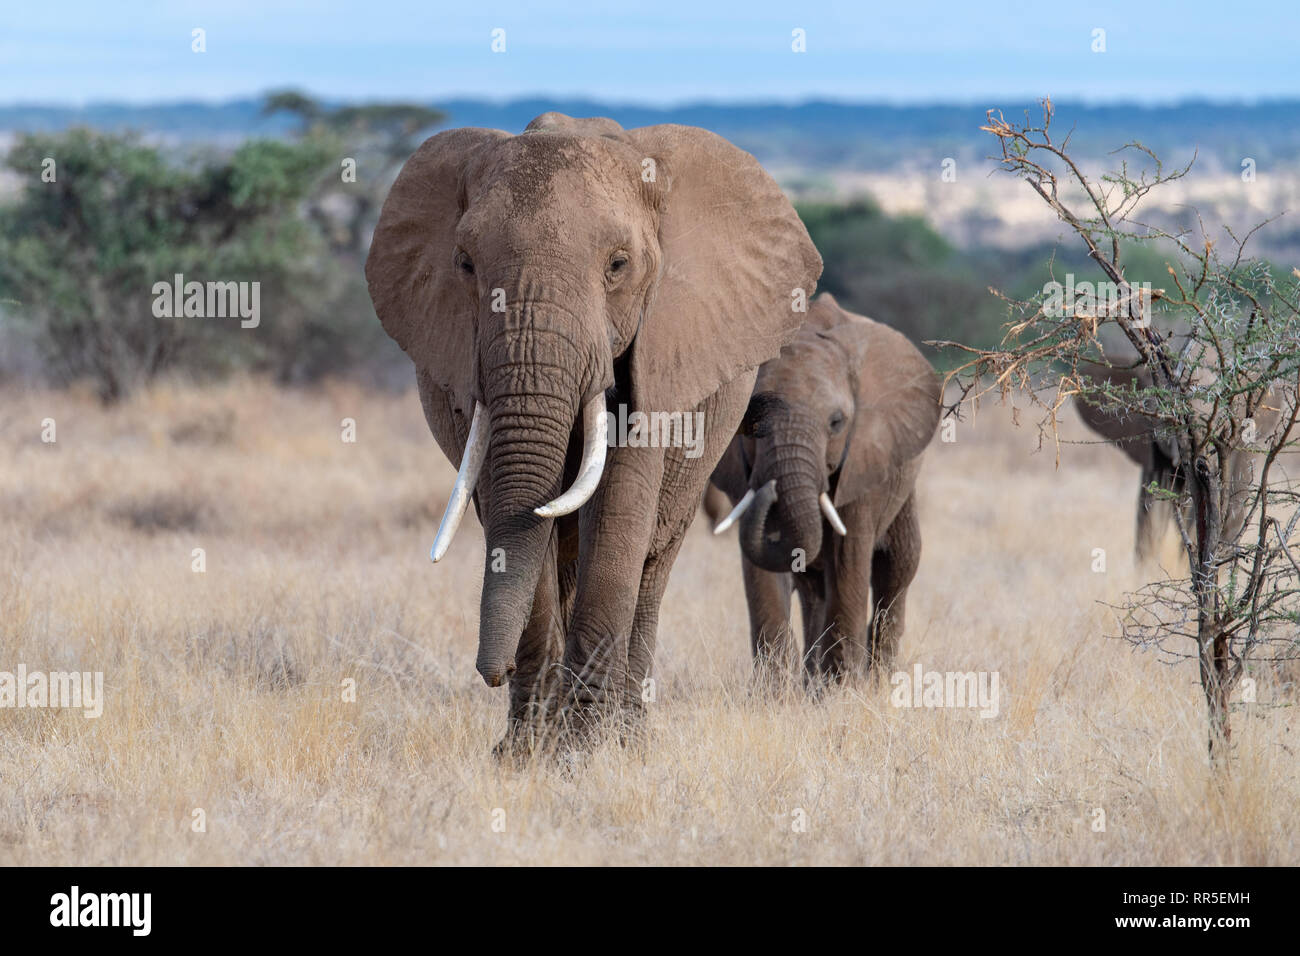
531, 726
525, 739
585, 724
580, 726
509, 751
832, 682
515, 750
583, 729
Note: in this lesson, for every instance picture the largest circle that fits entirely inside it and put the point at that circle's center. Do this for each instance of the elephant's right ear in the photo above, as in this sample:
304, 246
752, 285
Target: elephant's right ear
410, 270
738, 269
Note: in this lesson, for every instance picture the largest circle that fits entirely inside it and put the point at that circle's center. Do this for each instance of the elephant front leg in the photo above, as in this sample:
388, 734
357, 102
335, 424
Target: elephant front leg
811, 586
639, 690
768, 595
892, 570
847, 624
615, 528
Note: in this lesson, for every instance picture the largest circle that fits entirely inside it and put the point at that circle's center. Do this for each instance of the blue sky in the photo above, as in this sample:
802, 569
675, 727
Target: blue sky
658, 52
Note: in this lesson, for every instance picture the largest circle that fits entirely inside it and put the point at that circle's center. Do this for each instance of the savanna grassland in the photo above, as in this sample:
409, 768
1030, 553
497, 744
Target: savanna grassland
224, 689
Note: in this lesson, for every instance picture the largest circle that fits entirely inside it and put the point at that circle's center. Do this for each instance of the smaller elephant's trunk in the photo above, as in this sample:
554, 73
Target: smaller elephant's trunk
758, 528
787, 529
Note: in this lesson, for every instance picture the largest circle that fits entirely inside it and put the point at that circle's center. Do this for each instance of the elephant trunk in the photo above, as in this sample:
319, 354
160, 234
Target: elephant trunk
533, 387
754, 529
527, 465
783, 527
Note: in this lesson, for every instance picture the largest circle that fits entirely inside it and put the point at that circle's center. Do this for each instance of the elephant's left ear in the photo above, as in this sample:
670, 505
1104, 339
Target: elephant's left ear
897, 396
737, 270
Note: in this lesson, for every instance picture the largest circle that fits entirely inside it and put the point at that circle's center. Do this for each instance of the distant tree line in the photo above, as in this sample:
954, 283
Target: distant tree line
101, 218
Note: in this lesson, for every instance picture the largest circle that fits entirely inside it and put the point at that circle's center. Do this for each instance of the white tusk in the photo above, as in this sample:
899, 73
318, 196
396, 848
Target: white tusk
471, 462
831, 514
595, 439
741, 507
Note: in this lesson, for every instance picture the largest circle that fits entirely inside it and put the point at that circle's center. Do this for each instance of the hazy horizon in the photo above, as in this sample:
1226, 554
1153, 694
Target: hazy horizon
80, 53
975, 102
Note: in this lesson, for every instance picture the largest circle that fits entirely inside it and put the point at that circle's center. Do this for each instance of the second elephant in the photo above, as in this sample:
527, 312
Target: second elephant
823, 475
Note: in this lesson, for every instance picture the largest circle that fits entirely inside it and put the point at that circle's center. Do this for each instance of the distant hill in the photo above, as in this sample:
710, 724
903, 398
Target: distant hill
814, 135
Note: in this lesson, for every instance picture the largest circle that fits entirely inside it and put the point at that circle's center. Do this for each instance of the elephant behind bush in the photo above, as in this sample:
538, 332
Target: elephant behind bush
1154, 451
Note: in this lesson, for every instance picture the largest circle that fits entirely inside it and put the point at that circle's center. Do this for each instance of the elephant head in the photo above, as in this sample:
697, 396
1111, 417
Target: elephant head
837, 412
530, 276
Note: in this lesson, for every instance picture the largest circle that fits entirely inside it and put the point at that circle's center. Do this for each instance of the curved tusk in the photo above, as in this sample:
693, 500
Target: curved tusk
741, 507
595, 440
471, 463
831, 514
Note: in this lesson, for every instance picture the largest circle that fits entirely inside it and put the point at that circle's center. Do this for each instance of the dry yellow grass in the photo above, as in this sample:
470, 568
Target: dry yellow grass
224, 688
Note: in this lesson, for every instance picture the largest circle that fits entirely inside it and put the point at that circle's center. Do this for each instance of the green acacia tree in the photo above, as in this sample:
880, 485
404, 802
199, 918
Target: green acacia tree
1220, 346
82, 247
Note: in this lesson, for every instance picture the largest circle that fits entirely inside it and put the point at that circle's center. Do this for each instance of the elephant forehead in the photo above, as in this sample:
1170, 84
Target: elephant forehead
812, 377
805, 357
538, 170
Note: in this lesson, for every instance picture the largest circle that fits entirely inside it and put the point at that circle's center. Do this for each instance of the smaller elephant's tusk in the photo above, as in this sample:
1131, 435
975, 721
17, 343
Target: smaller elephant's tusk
595, 429
741, 507
471, 462
831, 514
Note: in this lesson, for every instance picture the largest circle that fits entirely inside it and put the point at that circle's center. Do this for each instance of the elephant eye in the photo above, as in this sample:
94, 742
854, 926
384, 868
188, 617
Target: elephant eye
464, 263
837, 421
617, 264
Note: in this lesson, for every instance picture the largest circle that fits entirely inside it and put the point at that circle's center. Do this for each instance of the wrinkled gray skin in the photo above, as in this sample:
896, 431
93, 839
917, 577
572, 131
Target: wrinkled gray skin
1157, 455
846, 409
529, 274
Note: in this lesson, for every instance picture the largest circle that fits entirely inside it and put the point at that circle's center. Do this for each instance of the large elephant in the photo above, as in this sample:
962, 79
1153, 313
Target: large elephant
538, 281
822, 476
1154, 451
